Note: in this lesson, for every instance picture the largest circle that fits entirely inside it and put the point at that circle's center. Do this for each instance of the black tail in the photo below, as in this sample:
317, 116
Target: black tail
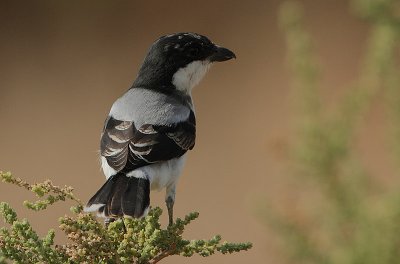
121, 196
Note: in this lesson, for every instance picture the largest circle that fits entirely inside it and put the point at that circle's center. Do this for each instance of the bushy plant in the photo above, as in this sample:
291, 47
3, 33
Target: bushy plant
141, 241
355, 219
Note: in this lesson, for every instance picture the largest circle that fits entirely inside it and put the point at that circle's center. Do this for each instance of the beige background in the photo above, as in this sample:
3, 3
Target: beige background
63, 63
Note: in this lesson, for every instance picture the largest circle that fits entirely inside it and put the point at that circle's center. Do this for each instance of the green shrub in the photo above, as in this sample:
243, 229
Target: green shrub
138, 241
355, 218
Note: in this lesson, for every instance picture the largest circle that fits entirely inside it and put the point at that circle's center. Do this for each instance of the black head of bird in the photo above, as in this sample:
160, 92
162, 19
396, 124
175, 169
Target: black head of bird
179, 61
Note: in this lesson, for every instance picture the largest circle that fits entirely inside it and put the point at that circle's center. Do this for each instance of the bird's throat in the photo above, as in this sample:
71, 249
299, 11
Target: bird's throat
186, 78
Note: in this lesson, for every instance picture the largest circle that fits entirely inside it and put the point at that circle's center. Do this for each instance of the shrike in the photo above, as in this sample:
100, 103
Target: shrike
151, 127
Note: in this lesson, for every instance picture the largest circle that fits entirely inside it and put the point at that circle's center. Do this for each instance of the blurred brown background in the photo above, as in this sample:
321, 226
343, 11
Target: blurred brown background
63, 63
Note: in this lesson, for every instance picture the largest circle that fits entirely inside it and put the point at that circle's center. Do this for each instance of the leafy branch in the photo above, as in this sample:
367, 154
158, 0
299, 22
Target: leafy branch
140, 241
353, 220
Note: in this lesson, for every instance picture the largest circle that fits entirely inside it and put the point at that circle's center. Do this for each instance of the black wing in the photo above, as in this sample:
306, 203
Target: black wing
127, 148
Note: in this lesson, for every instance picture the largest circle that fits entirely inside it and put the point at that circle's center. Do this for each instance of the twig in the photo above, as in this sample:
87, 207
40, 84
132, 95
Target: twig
163, 254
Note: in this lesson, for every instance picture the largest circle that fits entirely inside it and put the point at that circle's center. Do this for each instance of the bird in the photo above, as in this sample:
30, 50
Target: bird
152, 126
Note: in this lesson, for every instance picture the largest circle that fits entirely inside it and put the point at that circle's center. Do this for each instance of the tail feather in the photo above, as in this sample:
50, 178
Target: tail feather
102, 195
121, 196
136, 199
114, 202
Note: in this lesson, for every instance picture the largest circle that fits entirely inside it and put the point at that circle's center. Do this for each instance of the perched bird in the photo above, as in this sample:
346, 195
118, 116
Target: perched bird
151, 127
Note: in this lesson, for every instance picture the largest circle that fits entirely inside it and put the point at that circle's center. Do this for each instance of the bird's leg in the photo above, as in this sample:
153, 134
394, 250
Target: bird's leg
170, 200
170, 206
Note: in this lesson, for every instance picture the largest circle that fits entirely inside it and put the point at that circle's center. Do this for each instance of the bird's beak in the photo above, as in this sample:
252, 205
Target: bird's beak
221, 54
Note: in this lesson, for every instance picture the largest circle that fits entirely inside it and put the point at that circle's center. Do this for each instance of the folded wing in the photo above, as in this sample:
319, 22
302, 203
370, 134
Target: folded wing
126, 147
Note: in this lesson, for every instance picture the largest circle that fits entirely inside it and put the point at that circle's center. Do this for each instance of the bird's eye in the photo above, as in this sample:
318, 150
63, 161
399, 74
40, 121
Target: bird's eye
193, 52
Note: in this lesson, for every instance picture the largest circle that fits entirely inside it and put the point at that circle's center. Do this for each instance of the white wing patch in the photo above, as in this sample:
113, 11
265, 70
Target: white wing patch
124, 125
139, 153
117, 139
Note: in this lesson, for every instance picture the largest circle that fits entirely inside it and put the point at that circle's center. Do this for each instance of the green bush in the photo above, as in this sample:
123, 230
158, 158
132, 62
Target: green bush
138, 241
355, 219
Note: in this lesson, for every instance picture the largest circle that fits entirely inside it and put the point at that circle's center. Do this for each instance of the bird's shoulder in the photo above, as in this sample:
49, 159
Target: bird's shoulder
149, 106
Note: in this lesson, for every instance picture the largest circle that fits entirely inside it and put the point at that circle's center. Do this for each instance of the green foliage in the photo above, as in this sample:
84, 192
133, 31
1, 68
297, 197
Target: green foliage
138, 241
355, 219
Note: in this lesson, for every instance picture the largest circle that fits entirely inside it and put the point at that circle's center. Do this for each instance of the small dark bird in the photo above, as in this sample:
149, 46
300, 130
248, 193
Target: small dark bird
151, 127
